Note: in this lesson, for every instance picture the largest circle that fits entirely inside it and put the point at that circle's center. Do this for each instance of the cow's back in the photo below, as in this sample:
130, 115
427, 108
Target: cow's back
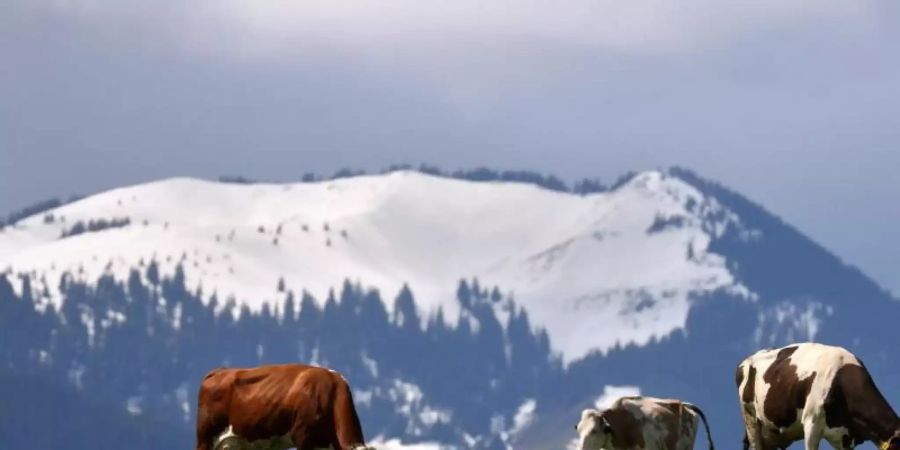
650, 422
266, 399
269, 402
807, 357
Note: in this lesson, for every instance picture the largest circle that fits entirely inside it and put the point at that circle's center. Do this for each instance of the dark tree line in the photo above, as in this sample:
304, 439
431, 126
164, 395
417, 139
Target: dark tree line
94, 225
146, 342
482, 174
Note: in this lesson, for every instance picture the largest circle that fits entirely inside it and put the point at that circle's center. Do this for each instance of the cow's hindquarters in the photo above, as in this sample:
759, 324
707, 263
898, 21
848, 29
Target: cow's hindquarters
746, 381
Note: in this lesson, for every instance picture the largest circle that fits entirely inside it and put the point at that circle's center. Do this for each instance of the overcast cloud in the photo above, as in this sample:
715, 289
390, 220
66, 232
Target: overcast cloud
794, 103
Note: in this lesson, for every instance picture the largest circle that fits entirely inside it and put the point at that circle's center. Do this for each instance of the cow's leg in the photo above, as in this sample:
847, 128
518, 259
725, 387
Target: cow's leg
813, 428
753, 430
202, 444
205, 436
298, 438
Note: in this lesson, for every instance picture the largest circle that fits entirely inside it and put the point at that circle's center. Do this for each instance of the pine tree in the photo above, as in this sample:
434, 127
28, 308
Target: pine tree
290, 310
464, 294
153, 273
405, 314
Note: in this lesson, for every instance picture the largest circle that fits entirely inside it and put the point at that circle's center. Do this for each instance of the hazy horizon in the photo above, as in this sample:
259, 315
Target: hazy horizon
792, 104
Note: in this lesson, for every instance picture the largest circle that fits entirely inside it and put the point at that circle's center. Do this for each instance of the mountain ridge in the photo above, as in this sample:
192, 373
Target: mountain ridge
645, 240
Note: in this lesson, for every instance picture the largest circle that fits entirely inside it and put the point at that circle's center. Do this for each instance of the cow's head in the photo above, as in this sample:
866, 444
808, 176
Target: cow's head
594, 431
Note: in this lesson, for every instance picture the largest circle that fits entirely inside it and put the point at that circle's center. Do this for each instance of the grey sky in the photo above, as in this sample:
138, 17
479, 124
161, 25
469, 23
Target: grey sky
793, 103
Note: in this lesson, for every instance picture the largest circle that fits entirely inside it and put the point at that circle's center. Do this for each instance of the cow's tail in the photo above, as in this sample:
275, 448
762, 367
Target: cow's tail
699, 412
347, 426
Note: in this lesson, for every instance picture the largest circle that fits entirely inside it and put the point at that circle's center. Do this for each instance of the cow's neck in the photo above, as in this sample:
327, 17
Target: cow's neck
871, 416
880, 423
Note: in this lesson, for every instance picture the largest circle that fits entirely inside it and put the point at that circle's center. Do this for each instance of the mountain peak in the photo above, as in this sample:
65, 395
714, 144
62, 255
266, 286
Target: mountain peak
632, 256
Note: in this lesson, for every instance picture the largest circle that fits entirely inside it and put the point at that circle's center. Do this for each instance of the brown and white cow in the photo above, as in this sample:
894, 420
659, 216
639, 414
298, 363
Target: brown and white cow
276, 408
812, 391
641, 423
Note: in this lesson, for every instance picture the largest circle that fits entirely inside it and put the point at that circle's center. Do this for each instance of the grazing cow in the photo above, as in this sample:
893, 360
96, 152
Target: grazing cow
641, 423
276, 408
812, 391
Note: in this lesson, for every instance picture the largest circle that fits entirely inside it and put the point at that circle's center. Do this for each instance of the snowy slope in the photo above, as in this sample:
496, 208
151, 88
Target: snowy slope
628, 259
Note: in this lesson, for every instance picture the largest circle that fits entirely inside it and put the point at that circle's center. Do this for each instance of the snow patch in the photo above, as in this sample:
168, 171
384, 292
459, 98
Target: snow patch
134, 405
431, 416
363, 397
409, 402
790, 321
407, 395
381, 443
76, 375
112, 318
524, 417
184, 401
87, 319
45, 358
612, 393
370, 364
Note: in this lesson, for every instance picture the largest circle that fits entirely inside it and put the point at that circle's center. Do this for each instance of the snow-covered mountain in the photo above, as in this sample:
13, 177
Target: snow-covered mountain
500, 308
630, 258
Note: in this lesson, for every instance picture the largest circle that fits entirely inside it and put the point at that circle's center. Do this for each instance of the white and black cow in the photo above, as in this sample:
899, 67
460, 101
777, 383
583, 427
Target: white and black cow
812, 391
648, 423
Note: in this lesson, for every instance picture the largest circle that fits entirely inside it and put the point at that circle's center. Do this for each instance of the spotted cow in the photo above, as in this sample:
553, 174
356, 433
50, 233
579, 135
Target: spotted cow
812, 391
276, 408
645, 423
